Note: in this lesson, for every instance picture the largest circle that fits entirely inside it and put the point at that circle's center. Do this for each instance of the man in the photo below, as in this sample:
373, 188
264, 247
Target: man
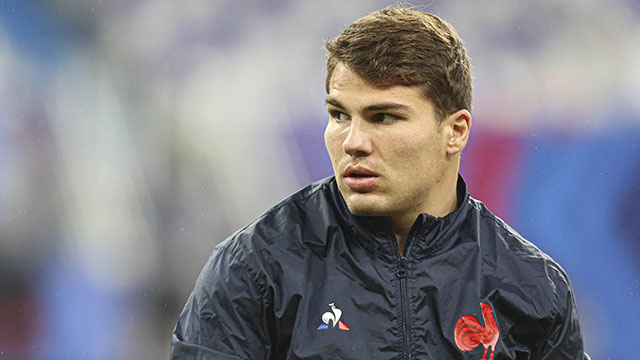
391, 258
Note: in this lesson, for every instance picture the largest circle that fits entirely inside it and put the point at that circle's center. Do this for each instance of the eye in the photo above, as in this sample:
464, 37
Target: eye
338, 116
384, 118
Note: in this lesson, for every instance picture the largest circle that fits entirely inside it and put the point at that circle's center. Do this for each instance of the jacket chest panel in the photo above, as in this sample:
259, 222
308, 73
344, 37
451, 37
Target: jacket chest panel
346, 310
351, 308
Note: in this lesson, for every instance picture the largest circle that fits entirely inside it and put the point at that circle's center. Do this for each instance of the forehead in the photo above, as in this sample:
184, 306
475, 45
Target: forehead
347, 86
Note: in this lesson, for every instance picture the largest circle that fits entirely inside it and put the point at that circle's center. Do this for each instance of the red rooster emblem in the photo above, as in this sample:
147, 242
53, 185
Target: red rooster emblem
469, 333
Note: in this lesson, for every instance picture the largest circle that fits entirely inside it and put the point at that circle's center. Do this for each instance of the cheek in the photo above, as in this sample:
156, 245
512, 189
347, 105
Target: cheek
332, 143
407, 149
415, 158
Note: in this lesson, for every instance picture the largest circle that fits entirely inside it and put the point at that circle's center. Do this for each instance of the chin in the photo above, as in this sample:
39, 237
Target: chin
359, 211
366, 207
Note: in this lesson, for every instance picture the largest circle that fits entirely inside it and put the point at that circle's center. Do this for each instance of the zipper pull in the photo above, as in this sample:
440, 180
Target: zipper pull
402, 267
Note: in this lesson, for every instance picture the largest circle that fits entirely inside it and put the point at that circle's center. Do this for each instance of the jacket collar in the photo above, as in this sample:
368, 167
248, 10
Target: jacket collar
428, 234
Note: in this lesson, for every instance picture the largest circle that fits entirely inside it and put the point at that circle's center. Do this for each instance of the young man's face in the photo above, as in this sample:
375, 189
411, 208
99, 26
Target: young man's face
388, 152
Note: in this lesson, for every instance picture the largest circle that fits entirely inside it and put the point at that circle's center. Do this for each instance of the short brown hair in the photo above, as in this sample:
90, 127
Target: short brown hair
403, 46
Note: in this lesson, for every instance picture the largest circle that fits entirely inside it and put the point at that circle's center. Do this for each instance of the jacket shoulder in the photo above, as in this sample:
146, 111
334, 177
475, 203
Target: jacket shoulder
506, 250
511, 240
539, 289
292, 225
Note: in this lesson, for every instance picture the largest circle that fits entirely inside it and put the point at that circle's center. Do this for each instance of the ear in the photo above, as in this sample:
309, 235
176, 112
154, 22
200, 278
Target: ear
457, 127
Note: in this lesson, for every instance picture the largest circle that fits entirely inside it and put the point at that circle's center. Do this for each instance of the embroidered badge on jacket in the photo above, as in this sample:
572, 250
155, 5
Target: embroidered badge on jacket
333, 318
469, 333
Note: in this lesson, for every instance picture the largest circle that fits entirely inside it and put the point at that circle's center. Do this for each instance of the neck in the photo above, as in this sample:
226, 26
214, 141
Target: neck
441, 205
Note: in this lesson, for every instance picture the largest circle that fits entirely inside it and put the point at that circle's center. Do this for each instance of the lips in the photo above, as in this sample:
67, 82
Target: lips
359, 178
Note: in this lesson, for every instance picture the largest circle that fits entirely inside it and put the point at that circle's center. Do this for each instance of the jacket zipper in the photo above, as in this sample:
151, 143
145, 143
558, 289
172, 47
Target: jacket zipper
404, 300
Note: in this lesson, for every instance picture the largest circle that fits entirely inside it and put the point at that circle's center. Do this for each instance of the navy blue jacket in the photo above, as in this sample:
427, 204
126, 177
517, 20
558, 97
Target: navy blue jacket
309, 280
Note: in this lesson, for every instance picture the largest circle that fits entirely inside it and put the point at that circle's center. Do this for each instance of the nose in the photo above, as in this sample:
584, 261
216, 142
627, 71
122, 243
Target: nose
358, 140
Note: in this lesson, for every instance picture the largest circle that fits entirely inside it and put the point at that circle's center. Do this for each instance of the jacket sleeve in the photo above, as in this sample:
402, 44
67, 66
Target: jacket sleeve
224, 317
565, 339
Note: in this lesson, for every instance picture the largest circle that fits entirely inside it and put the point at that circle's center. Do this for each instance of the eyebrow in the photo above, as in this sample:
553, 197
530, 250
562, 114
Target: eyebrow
373, 107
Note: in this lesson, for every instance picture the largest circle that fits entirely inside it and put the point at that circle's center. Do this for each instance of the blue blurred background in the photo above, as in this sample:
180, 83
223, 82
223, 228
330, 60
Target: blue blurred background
136, 135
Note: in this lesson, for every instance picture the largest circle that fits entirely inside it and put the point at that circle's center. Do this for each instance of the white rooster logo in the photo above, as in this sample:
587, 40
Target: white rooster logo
333, 318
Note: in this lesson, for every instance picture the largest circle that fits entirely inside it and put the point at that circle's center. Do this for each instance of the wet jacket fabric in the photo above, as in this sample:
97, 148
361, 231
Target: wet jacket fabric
309, 280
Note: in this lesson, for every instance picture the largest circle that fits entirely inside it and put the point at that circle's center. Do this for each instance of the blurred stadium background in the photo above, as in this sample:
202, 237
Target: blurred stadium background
136, 135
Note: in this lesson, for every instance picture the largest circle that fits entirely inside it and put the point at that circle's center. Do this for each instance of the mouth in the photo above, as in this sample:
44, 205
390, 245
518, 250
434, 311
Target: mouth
360, 179
359, 171
357, 175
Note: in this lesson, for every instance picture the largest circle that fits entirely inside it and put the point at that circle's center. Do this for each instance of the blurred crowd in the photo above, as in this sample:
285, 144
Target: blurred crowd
136, 135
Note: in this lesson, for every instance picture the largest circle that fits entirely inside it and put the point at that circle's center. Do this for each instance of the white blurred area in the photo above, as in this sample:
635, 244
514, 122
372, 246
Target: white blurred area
136, 135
